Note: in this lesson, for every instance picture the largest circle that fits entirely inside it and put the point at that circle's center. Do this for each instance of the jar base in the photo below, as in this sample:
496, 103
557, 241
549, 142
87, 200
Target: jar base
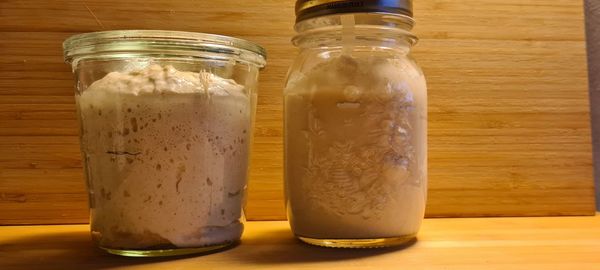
360, 243
166, 252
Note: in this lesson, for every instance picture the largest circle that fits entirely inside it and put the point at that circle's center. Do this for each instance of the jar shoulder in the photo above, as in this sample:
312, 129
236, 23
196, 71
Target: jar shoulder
322, 68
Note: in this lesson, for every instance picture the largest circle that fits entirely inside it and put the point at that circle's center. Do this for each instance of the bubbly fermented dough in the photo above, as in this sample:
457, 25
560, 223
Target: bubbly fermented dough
166, 157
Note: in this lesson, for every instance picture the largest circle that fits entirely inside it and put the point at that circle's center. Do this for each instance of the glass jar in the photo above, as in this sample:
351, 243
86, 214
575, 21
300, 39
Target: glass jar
165, 125
355, 126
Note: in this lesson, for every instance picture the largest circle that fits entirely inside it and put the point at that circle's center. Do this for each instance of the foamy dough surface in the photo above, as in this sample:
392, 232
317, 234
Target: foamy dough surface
355, 148
166, 155
165, 80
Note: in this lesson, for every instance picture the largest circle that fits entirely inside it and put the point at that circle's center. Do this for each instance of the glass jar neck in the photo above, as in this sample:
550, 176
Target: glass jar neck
359, 29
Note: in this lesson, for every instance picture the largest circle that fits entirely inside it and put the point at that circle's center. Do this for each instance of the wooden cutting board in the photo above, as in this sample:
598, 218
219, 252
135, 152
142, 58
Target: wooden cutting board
508, 117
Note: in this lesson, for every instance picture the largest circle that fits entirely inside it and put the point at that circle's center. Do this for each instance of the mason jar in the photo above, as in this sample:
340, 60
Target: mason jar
355, 125
165, 125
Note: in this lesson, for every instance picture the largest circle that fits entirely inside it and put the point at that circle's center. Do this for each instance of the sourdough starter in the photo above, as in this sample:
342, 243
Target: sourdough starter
356, 148
166, 156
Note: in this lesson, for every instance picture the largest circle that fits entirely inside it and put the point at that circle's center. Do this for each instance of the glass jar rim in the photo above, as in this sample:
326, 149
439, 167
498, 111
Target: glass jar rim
153, 41
394, 26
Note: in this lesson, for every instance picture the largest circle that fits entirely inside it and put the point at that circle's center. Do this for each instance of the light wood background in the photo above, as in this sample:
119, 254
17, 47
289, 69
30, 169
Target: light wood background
592, 19
508, 118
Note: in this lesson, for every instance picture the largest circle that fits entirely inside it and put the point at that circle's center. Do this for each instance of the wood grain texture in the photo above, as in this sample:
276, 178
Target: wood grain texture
449, 244
592, 21
508, 117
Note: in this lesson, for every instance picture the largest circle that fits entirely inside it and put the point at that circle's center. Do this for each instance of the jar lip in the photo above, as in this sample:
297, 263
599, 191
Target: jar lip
406, 35
383, 25
381, 16
151, 40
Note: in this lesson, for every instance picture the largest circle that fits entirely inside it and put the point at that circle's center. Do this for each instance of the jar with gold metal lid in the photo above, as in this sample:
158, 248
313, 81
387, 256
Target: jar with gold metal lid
355, 125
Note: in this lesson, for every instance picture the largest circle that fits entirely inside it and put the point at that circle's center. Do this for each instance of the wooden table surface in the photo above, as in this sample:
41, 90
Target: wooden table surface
463, 243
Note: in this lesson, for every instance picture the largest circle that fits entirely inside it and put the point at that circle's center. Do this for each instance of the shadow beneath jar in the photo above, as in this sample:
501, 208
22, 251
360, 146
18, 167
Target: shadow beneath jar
281, 247
75, 250
71, 250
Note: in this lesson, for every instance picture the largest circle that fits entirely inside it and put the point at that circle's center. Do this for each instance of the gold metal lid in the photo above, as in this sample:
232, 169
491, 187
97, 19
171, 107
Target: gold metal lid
306, 9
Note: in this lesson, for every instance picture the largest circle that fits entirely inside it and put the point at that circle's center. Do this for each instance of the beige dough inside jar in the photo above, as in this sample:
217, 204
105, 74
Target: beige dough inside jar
356, 148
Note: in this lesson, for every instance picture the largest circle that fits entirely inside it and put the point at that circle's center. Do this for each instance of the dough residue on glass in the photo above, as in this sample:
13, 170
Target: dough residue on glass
166, 155
355, 156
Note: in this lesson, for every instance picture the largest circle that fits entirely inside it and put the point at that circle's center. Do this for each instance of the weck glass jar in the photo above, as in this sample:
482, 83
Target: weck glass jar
165, 123
355, 125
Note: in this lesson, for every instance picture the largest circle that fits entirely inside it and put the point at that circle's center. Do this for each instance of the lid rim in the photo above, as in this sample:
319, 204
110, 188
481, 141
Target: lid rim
350, 11
308, 9
183, 39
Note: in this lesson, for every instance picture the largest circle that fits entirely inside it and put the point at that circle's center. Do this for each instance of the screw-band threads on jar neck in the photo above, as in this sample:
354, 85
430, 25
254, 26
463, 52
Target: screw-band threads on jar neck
306, 9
